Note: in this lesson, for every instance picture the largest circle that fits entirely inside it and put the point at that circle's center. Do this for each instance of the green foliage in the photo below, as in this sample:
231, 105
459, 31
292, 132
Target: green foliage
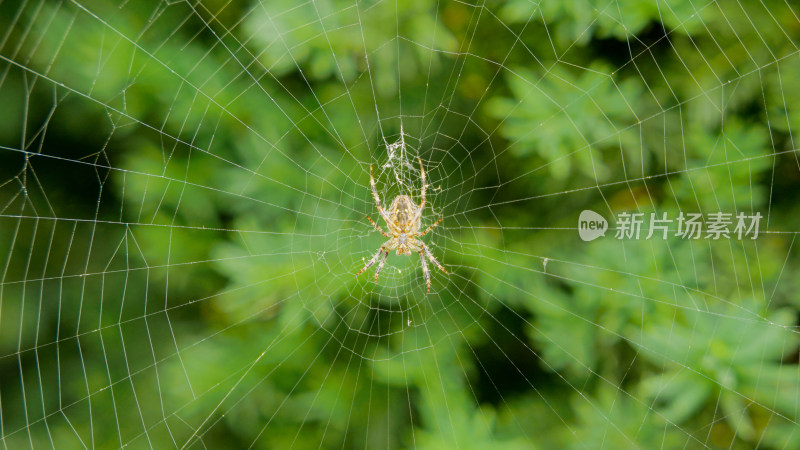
740, 364
201, 290
579, 22
564, 117
329, 40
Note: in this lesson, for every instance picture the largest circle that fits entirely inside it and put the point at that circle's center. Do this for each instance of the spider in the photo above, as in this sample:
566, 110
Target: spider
403, 220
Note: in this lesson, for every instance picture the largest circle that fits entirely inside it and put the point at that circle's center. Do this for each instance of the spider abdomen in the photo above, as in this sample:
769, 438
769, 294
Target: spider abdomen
402, 211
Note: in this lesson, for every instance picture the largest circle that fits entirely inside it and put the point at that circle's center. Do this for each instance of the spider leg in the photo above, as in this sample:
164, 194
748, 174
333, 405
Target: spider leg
431, 227
431, 257
380, 266
424, 185
377, 227
425, 271
372, 261
376, 197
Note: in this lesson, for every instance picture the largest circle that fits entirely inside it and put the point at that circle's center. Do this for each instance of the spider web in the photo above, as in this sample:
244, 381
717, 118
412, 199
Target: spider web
183, 197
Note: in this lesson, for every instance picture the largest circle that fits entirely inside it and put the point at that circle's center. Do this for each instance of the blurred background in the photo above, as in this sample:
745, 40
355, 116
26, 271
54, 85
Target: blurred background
183, 192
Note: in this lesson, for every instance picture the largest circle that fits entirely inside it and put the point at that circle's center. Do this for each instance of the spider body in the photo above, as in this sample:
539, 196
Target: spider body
401, 214
403, 219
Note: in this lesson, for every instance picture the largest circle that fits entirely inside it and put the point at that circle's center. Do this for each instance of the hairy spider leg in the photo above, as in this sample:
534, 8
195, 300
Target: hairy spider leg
431, 227
372, 261
418, 212
378, 226
431, 257
425, 271
424, 184
380, 266
376, 197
